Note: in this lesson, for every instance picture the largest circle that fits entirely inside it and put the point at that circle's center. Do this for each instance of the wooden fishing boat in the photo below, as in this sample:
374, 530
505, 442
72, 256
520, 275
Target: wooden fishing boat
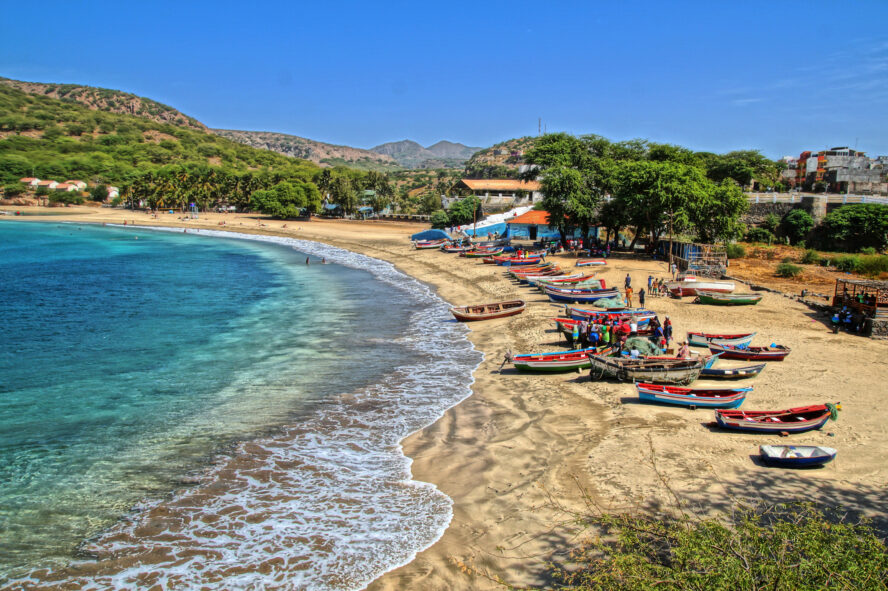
693, 397
643, 317
792, 420
480, 254
579, 284
658, 371
702, 339
555, 280
560, 361
429, 244
687, 285
732, 373
772, 353
456, 249
582, 296
590, 262
549, 272
488, 311
519, 261
796, 456
532, 270
727, 299
573, 277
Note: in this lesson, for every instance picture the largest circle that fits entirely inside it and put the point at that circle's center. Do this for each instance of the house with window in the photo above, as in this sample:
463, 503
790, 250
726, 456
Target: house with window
501, 192
534, 225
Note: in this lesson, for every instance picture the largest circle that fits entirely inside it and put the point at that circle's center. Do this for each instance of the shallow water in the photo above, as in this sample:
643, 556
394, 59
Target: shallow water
281, 390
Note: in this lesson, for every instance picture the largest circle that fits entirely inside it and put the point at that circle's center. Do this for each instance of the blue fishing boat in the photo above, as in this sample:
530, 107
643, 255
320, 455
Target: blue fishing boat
692, 397
796, 456
583, 296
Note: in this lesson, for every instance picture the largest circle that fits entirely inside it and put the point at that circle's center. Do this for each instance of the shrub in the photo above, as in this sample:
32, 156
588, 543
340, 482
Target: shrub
770, 253
874, 266
735, 251
13, 190
796, 224
788, 270
848, 263
789, 546
759, 235
810, 257
771, 222
440, 219
868, 250
857, 226
787, 260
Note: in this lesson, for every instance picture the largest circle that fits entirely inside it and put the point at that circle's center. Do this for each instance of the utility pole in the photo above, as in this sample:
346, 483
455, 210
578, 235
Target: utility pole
539, 126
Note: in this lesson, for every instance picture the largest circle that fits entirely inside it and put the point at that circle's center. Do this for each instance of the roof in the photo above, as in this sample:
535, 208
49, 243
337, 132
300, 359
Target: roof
28, 179
534, 217
46, 183
501, 185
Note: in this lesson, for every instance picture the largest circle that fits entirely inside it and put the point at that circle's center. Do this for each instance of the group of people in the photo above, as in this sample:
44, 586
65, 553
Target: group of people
616, 332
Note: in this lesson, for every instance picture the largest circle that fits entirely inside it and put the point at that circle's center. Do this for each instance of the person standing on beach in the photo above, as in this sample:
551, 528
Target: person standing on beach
674, 269
628, 296
650, 282
641, 298
667, 330
628, 281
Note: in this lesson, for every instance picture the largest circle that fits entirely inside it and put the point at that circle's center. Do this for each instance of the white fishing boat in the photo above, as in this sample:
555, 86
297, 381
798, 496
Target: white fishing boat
687, 285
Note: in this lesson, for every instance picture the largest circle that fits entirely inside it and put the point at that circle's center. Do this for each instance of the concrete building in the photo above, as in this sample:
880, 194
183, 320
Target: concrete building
840, 170
500, 192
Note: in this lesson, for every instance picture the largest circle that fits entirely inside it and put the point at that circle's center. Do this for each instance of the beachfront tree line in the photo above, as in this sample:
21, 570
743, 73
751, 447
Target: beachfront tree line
654, 189
285, 194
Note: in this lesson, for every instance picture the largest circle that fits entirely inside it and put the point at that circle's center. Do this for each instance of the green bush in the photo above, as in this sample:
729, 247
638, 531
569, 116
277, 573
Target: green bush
848, 263
857, 226
788, 270
759, 235
873, 266
868, 250
770, 254
735, 251
787, 260
440, 219
13, 190
796, 224
789, 546
810, 257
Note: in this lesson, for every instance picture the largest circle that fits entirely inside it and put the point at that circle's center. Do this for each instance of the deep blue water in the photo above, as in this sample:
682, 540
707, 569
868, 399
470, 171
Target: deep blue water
130, 359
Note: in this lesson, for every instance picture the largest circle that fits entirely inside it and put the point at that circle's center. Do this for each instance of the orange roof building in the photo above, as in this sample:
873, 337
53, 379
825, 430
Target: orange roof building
501, 185
534, 225
532, 217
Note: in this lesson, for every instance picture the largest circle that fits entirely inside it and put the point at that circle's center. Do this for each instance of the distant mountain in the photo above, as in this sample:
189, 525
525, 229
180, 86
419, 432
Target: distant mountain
317, 152
111, 101
443, 154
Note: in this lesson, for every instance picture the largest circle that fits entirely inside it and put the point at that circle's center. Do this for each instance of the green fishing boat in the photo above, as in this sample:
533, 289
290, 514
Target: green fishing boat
728, 299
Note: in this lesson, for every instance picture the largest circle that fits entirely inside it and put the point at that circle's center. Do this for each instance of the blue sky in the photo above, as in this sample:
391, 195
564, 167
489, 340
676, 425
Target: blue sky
781, 77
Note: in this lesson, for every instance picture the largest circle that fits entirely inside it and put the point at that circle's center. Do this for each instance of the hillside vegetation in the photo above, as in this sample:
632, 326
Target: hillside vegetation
110, 101
317, 152
54, 139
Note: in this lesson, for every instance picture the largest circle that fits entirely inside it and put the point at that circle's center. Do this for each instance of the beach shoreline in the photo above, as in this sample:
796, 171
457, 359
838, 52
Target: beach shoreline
520, 444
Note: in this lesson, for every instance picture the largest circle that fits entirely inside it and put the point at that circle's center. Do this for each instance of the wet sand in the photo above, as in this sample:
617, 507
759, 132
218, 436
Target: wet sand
515, 456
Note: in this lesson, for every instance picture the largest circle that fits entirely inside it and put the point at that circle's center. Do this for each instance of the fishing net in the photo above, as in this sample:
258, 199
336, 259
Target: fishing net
608, 303
645, 346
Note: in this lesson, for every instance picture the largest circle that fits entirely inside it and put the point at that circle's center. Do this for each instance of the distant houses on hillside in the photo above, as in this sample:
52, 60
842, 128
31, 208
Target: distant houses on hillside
69, 185
838, 170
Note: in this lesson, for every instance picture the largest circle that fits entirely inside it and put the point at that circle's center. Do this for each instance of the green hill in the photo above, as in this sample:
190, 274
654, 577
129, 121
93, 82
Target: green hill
55, 139
110, 101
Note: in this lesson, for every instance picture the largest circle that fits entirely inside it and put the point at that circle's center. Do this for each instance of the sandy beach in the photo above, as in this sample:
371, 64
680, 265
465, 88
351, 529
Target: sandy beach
516, 456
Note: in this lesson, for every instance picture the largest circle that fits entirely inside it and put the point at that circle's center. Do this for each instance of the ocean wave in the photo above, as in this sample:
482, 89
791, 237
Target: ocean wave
328, 503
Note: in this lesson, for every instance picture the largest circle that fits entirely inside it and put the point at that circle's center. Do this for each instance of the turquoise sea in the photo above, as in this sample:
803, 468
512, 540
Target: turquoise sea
203, 409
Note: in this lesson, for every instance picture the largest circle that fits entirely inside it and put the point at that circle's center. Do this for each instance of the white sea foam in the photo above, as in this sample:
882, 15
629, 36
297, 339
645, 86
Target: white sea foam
327, 504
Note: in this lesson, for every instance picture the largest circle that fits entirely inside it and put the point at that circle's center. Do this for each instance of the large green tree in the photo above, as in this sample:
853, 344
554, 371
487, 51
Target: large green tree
717, 216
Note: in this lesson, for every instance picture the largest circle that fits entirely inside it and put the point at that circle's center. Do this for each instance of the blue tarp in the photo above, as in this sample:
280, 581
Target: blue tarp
492, 229
430, 235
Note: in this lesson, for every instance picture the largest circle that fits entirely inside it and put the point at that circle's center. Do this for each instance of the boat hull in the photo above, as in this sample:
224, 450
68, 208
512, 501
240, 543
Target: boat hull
562, 361
734, 373
727, 299
796, 456
646, 370
488, 311
702, 339
696, 398
777, 353
579, 296
793, 420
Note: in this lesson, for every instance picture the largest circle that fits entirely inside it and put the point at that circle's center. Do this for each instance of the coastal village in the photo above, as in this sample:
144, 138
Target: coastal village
632, 334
